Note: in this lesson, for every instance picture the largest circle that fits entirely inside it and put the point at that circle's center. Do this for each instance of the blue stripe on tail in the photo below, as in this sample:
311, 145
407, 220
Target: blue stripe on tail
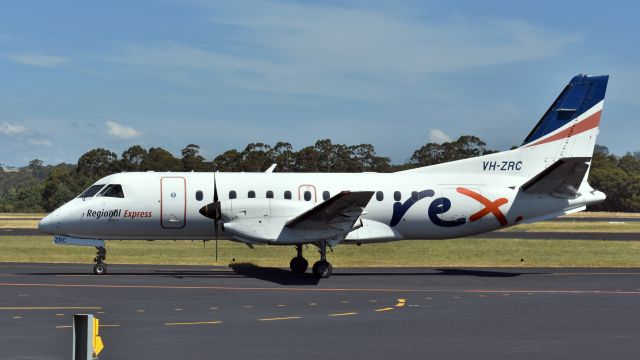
582, 93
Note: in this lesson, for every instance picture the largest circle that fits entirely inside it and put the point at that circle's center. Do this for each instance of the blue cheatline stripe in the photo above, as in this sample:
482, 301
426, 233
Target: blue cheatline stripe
580, 95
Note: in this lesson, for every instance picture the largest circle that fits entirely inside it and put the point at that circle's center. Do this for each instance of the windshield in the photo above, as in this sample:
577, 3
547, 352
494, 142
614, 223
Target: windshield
92, 190
113, 190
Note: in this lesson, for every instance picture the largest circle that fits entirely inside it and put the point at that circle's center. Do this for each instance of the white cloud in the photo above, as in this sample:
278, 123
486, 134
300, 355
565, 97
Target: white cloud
438, 136
12, 129
39, 142
289, 48
39, 60
122, 131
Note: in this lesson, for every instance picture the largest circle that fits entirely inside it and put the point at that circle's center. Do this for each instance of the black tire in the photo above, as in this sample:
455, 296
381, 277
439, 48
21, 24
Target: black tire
322, 269
100, 269
299, 265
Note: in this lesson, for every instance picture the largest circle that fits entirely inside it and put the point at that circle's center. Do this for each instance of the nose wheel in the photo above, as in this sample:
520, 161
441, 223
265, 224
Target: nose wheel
100, 268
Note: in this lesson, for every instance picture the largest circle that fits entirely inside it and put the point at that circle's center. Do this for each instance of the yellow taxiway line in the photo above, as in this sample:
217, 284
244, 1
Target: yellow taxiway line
280, 318
193, 323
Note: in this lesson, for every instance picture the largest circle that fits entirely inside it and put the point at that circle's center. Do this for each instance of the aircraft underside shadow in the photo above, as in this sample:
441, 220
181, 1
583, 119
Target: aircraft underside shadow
273, 274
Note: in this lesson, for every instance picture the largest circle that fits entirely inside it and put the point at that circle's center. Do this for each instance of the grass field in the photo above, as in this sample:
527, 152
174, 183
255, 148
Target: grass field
459, 253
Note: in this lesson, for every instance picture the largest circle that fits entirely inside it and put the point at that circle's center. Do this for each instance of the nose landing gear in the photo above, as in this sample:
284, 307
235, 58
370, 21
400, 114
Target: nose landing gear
100, 268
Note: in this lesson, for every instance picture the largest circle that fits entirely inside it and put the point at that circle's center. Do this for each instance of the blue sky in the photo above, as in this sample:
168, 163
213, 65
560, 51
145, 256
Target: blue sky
76, 75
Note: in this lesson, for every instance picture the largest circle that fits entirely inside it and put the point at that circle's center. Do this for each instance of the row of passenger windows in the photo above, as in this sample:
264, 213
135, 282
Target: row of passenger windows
307, 196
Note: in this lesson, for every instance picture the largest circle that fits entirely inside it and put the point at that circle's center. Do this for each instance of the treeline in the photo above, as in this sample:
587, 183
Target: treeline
38, 188
618, 177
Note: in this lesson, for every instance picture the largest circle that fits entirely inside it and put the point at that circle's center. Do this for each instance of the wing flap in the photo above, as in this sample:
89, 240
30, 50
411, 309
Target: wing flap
340, 212
561, 179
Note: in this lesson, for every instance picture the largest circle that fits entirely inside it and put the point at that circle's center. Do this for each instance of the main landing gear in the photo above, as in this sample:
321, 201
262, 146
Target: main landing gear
299, 264
321, 269
100, 268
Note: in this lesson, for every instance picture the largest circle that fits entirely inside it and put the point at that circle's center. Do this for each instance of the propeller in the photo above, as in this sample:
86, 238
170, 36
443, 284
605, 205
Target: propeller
213, 211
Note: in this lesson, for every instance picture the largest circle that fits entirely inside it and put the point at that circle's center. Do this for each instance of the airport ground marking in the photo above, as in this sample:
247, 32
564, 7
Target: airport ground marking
194, 323
280, 318
401, 302
384, 309
50, 308
290, 289
101, 325
344, 314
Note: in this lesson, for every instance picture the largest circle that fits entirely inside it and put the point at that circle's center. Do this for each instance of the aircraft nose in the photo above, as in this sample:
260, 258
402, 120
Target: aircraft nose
48, 224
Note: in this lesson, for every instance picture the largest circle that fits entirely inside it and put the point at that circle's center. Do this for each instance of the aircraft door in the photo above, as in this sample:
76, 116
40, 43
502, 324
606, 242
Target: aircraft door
173, 202
307, 193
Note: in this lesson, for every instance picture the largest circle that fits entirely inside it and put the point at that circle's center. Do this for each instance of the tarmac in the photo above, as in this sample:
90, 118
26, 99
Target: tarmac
243, 311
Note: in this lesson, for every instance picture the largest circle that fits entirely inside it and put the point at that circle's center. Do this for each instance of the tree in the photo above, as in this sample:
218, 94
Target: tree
191, 159
255, 157
229, 161
133, 157
160, 159
98, 163
466, 146
61, 185
307, 160
282, 154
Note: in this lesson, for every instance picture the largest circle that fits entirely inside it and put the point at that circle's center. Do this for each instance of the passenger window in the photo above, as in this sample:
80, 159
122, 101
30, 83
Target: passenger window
326, 195
232, 194
92, 190
397, 196
112, 190
379, 196
307, 196
287, 195
199, 195
269, 194
414, 196
251, 194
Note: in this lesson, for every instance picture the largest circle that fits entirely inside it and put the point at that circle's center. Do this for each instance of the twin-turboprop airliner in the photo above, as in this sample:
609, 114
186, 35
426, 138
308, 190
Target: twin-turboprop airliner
545, 177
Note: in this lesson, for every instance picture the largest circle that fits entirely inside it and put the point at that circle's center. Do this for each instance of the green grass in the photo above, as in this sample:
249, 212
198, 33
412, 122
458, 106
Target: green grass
18, 223
579, 226
22, 215
459, 253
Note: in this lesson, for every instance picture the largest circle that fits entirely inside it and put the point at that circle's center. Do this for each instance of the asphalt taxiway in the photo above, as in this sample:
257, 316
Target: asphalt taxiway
243, 311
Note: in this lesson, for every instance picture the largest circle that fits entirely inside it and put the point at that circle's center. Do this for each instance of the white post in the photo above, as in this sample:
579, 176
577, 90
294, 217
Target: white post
82, 337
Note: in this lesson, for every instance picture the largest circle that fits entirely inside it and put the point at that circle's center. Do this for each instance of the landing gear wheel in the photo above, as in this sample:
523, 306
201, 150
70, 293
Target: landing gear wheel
322, 269
100, 269
299, 265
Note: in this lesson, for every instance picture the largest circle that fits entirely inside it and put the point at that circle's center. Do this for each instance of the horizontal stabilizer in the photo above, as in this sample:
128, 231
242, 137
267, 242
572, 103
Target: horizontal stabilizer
340, 212
561, 179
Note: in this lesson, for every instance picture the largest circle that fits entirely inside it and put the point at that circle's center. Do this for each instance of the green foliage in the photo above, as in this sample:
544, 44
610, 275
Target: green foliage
160, 159
465, 147
37, 188
619, 178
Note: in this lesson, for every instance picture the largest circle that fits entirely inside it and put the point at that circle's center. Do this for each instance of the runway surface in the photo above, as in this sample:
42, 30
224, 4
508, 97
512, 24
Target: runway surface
241, 312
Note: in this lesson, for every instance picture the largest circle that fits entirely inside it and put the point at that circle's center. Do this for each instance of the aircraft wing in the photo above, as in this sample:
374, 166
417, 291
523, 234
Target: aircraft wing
340, 212
561, 179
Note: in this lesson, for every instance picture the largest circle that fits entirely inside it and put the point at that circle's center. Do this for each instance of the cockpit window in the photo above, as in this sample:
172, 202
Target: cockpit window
92, 190
112, 190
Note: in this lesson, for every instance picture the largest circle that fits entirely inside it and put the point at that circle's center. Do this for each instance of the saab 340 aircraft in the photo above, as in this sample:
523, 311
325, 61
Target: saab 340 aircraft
544, 178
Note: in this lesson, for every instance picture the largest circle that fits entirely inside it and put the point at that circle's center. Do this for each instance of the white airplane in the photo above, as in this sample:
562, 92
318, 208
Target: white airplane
544, 178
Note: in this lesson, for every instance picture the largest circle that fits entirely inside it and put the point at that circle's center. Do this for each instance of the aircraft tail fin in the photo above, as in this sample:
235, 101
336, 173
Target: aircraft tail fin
570, 126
